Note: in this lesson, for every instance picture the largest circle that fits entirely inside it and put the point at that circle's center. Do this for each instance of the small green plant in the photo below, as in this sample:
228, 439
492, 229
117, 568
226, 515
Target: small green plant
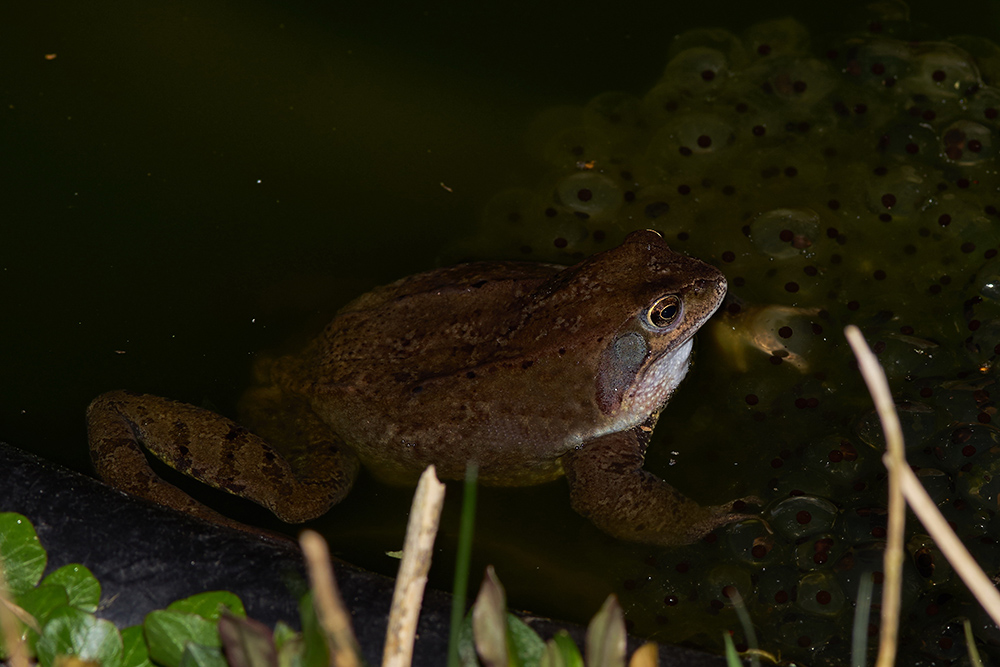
52, 619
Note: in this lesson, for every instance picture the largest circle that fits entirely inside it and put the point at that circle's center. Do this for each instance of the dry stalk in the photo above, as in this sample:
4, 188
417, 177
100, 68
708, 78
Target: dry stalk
333, 617
895, 458
421, 530
903, 481
952, 548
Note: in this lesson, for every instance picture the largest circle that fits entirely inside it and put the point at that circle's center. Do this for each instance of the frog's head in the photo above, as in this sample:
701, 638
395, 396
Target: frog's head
670, 296
636, 309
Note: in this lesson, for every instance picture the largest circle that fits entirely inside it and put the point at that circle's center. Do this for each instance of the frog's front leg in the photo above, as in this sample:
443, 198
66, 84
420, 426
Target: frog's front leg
219, 452
608, 486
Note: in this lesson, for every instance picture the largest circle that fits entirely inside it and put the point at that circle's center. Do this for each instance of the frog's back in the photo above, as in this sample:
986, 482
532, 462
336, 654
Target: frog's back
395, 373
425, 325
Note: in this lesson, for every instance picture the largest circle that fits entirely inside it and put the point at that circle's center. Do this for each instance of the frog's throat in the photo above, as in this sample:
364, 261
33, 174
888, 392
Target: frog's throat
657, 382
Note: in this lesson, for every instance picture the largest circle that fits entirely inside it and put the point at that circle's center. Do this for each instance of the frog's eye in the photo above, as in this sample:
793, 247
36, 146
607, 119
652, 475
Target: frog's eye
665, 312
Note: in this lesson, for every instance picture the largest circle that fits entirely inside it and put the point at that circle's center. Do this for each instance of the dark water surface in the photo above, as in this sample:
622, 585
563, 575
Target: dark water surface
186, 183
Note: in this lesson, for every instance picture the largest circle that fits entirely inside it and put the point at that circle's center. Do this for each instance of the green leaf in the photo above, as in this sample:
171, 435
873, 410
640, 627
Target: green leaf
248, 643
210, 605
199, 655
283, 633
134, 653
22, 556
168, 632
525, 642
81, 586
606, 636
489, 621
732, 656
561, 651
314, 651
73, 632
289, 645
463, 556
467, 656
42, 601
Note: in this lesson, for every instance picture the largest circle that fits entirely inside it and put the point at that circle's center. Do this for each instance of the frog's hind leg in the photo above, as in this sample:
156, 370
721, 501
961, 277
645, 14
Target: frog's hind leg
219, 452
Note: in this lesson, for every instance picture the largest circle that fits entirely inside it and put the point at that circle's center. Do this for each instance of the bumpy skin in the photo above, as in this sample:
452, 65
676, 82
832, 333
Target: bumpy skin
533, 371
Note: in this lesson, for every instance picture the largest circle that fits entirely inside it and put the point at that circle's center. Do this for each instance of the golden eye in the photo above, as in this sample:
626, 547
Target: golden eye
664, 312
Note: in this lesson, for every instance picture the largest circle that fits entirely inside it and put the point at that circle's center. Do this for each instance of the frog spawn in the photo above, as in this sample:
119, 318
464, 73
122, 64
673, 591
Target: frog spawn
852, 181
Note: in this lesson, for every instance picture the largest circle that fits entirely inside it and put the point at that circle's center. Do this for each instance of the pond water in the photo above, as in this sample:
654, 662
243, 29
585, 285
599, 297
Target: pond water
190, 183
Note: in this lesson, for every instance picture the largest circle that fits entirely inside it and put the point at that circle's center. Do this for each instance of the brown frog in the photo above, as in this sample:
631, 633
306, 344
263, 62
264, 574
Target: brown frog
533, 371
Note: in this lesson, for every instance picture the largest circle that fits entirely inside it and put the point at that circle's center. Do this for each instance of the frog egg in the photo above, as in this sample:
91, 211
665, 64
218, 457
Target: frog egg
563, 235
618, 118
901, 192
980, 484
960, 403
576, 147
981, 349
988, 280
867, 559
968, 227
966, 143
941, 71
930, 564
937, 483
864, 524
726, 43
775, 588
904, 357
689, 145
819, 551
917, 421
943, 637
697, 71
651, 207
820, 593
783, 233
725, 583
803, 516
958, 446
877, 64
803, 633
838, 457
785, 173
778, 37
984, 106
906, 142
751, 542
511, 210
862, 561
794, 84
984, 51
590, 196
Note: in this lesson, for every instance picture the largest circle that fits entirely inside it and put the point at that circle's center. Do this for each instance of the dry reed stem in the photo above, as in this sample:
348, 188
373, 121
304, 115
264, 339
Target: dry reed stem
953, 549
425, 514
895, 459
916, 496
333, 617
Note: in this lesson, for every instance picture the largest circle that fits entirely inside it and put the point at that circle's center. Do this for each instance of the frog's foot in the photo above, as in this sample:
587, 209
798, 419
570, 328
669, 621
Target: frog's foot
608, 486
217, 451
